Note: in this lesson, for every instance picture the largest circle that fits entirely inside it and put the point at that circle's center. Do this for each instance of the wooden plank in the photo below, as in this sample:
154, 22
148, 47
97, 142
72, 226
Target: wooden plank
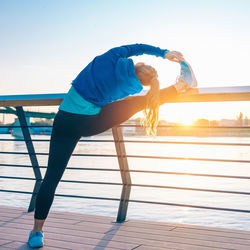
24, 246
141, 233
159, 226
57, 214
100, 231
47, 246
111, 243
4, 241
216, 229
175, 225
90, 228
154, 232
149, 239
125, 238
71, 221
218, 237
89, 217
123, 226
64, 233
138, 223
212, 232
3, 207
67, 241
142, 247
28, 219
196, 241
10, 209
88, 223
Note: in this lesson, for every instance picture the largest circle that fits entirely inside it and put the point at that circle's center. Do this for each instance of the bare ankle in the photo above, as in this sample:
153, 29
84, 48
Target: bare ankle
38, 225
33, 231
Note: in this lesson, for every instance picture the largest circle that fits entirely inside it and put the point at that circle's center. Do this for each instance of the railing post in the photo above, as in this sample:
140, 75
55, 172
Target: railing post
29, 144
125, 175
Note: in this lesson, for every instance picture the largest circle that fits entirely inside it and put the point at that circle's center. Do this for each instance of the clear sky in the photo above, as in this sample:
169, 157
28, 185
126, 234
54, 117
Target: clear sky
45, 43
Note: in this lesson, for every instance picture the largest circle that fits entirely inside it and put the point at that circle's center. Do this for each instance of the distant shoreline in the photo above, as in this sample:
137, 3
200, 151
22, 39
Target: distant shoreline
205, 132
166, 131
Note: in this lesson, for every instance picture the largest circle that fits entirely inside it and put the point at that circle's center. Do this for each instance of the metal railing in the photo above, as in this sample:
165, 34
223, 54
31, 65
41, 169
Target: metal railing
196, 95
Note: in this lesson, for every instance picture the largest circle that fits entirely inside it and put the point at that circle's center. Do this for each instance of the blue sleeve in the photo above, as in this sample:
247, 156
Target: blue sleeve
139, 49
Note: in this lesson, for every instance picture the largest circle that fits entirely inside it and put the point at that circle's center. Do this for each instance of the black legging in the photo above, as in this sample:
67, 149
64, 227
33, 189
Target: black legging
67, 131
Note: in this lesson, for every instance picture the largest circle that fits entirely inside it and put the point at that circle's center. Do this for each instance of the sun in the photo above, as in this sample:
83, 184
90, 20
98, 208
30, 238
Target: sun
186, 121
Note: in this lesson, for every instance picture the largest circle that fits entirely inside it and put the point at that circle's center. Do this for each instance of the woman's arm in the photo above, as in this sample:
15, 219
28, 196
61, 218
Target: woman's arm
140, 49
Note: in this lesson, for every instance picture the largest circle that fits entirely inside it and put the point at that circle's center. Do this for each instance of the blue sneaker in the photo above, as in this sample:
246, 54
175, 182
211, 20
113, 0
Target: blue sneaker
35, 239
187, 75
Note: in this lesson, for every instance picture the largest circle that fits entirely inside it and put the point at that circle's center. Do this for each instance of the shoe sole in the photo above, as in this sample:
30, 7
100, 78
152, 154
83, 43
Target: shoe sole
36, 246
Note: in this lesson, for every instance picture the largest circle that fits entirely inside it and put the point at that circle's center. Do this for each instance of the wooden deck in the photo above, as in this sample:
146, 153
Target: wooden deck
63, 230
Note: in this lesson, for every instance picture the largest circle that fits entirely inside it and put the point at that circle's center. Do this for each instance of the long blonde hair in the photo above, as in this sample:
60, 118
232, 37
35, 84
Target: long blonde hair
147, 75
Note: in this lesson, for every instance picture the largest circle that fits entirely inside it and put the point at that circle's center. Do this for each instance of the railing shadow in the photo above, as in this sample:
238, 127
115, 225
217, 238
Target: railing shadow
108, 236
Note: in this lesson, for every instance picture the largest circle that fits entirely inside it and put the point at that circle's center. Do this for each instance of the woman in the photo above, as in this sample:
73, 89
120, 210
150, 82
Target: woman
96, 103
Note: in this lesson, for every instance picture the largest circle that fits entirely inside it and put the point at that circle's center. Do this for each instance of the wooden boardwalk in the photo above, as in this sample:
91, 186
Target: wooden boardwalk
63, 230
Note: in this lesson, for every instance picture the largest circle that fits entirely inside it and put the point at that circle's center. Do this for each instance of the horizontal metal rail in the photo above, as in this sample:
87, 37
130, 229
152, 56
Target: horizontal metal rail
138, 171
218, 94
140, 141
28, 126
190, 143
139, 201
136, 126
137, 185
141, 156
184, 126
26, 153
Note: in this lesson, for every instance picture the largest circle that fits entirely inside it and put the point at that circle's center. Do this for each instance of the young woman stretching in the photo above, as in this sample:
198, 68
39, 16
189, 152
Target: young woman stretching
96, 102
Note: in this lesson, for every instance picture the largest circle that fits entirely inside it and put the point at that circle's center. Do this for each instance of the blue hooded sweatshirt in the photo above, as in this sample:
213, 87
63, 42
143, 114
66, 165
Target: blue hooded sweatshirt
111, 76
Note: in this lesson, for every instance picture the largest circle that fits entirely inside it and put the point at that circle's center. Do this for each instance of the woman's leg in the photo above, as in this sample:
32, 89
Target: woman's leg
120, 111
62, 143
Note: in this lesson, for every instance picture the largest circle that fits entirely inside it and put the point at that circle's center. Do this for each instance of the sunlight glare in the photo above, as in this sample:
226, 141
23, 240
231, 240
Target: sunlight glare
186, 121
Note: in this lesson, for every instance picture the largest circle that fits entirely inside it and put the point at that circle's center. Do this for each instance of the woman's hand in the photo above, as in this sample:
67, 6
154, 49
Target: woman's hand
174, 56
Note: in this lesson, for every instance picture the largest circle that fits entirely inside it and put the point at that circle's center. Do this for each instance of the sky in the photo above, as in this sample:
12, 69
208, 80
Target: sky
45, 43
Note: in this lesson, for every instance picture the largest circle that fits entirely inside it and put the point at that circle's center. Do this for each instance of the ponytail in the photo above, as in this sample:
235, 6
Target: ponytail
148, 77
151, 112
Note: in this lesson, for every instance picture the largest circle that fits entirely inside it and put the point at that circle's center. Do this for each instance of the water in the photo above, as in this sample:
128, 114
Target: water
173, 214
